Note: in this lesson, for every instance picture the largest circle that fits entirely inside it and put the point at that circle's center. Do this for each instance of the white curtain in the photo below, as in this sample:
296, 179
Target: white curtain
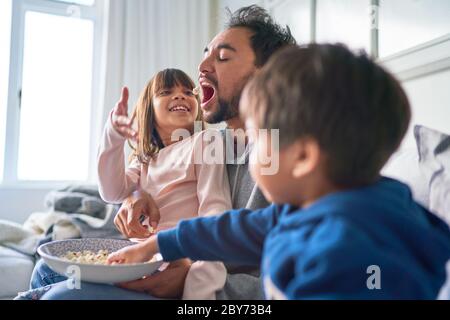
145, 36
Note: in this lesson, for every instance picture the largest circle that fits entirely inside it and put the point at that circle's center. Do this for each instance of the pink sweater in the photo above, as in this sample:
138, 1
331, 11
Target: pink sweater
181, 188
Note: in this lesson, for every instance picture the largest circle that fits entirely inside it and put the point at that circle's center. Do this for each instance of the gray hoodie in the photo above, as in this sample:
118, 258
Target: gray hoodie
243, 283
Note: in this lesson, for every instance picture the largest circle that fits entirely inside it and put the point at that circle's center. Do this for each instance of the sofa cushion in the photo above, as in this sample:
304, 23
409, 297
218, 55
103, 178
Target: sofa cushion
404, 166
15, 272
434, 162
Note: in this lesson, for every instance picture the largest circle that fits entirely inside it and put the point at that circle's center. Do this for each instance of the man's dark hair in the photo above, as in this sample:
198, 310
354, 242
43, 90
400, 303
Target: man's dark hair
268, 36
356, 111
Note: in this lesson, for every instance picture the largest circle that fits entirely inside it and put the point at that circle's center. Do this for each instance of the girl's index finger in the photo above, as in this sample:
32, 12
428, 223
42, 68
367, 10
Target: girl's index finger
124, 97
122, 105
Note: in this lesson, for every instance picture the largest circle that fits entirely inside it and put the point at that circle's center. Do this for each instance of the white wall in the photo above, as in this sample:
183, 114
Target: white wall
430, 100
16, 203
233, 5
236, 4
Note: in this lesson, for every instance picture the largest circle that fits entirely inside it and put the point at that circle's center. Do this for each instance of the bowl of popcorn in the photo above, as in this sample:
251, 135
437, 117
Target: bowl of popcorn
86, 260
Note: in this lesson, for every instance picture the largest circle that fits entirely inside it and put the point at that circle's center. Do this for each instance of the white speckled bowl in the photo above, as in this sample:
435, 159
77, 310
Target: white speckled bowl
52, 251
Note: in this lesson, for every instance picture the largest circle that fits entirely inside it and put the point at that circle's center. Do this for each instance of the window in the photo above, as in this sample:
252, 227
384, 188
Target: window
5, 36
56, 98
50, 114
81, 2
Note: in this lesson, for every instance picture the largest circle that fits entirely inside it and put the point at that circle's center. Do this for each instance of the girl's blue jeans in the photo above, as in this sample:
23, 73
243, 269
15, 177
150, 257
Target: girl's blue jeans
46, 284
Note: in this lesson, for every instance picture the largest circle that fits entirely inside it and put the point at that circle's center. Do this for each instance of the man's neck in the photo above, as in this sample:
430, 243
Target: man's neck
238, 135
237, 130
235, 123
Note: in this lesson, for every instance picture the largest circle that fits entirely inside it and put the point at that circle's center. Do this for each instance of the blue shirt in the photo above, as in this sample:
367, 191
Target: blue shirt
368, 243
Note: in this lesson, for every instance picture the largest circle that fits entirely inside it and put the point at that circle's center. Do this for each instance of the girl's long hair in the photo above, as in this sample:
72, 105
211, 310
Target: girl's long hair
149, 142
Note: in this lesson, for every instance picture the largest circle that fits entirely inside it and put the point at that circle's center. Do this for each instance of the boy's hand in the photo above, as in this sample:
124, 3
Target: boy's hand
120, 120
138, 253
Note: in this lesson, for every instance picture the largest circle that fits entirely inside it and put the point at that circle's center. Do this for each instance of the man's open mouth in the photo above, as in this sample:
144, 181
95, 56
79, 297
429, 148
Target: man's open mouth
208, 93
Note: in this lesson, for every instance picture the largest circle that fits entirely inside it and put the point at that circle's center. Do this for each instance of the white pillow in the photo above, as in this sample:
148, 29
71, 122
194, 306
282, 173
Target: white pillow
404, 166
434, 161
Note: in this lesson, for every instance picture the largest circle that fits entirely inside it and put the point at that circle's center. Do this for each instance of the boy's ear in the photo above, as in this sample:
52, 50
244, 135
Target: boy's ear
307, 157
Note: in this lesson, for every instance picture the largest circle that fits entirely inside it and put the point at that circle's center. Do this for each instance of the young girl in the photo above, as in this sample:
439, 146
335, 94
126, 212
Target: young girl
181, 187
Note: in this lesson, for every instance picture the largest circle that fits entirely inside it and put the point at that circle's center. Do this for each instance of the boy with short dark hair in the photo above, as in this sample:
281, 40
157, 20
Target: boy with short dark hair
338, 229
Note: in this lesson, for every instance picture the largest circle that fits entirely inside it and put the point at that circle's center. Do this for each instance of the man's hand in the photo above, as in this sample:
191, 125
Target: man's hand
128, 218
168, 284
120, 120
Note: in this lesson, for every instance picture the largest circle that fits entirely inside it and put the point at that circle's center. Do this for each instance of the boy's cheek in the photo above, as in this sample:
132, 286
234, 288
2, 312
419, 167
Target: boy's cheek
255, 168
260, 158
260, 180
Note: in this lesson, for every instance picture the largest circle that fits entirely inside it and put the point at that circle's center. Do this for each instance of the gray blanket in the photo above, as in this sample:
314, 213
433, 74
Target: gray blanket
74, 212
